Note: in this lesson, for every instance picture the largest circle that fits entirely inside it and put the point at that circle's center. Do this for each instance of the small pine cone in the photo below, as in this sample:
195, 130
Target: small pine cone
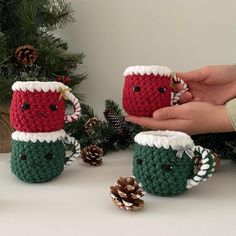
26, 54
92, 155
127, 193
217, 161
91, 124
113, 119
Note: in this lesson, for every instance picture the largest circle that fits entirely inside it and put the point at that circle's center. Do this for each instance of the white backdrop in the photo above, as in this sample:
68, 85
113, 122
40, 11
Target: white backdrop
181, 34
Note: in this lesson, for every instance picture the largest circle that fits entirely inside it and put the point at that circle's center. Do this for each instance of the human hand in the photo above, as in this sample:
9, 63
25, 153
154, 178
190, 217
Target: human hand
213, 84
191, 118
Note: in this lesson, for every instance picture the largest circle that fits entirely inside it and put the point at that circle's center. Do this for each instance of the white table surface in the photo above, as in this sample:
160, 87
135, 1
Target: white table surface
78, 203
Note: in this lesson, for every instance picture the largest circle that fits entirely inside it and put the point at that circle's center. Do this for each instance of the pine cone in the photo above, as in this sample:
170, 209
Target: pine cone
92, 155
126, 194
217, 161
115, 121
26, 54
91, 124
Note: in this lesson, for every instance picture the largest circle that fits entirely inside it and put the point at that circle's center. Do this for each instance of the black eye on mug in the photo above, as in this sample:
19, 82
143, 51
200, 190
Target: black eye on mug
23, 157
162, 90
49, 156
136, 89
167, 167
53, 107
25, 106
139, 161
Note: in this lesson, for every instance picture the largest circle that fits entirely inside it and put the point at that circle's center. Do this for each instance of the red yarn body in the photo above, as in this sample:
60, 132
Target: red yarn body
150, 97
45, 111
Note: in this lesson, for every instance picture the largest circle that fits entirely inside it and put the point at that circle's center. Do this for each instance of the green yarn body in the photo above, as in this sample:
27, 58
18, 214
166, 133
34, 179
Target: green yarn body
160, 171
37, 162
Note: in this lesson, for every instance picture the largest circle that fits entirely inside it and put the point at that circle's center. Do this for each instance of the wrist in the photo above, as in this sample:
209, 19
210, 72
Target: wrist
233, 87
231, 112
223, 120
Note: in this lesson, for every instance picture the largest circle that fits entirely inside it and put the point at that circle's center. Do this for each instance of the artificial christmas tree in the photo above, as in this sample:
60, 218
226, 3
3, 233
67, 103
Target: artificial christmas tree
30, 50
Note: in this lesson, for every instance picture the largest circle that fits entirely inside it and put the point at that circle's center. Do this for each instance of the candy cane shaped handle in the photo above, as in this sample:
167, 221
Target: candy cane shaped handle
175, 97
77, 109
206, 169
76, 149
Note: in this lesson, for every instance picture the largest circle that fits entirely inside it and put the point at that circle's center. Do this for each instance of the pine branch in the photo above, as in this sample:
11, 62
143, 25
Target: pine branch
3, 47
58, 14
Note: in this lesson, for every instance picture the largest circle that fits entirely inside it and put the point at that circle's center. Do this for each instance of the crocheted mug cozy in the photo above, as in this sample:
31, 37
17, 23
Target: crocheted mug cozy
164, 162
40, 106
148, 88
39, 157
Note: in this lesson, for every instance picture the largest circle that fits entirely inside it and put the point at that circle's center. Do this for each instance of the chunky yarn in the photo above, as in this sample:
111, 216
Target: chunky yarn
143, 94
148, 88
40, 106
37, 162
37, 111
160, 171
164, 162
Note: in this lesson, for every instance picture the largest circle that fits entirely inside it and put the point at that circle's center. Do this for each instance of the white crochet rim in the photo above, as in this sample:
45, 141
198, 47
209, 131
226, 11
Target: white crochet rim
39, 137
148, 70
166, 139
39, 86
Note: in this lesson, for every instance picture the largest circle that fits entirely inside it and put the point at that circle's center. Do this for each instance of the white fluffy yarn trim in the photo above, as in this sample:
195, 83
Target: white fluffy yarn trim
41, 137
147, 70
38, 86
166, 139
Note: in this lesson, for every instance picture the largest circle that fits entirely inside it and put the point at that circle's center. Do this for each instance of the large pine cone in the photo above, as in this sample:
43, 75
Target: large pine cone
26, 54
115, 121
126, 194
92, 155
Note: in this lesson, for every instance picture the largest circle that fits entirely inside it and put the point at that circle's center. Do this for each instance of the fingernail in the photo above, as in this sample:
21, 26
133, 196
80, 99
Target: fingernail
155, 115
127, 118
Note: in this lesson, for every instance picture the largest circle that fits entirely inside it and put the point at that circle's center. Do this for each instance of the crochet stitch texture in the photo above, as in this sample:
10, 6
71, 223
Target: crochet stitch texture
143, 94
161, 172
37, 111
37, 162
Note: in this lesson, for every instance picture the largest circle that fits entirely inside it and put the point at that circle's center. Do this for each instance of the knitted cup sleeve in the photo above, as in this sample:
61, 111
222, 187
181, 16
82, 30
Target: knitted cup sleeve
75, 101
74, 147
206, 169
175, 97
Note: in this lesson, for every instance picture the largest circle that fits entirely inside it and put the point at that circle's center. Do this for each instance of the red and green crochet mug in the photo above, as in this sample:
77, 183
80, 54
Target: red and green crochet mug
148, 88
40, 106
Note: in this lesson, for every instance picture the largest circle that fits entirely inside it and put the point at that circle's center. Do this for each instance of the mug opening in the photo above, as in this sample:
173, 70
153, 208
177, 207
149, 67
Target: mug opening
165, 139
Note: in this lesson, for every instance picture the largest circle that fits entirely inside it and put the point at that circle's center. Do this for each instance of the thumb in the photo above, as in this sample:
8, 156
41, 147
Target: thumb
194, 75
175, 112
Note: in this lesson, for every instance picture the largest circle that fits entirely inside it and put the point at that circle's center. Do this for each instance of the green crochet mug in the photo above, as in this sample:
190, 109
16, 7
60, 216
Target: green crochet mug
40, 157
164, 162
